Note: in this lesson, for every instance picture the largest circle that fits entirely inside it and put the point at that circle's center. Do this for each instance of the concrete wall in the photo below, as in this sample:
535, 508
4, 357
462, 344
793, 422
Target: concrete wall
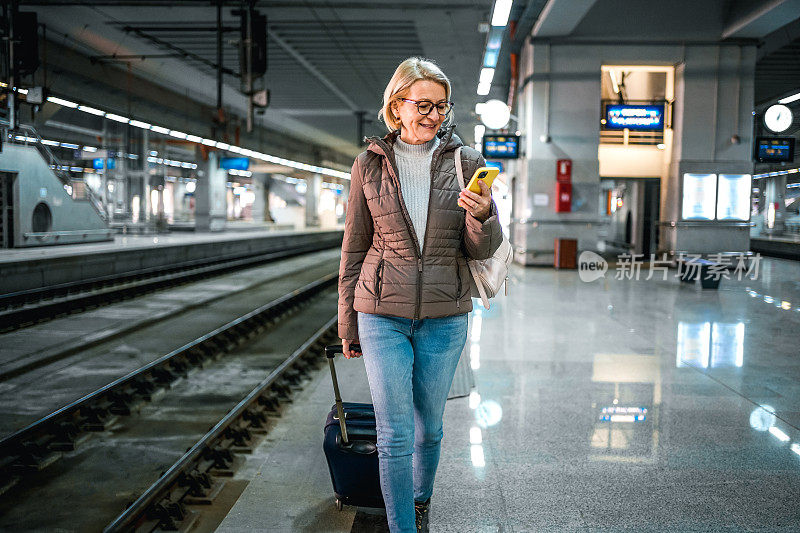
560, 103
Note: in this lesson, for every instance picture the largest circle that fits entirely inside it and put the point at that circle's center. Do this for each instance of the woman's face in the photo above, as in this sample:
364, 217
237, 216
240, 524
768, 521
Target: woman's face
416, 128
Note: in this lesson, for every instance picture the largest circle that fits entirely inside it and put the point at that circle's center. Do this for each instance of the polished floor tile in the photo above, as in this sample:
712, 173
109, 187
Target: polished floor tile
629, 405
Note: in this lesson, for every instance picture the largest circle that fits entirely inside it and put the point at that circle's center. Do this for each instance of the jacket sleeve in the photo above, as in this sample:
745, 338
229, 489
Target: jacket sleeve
481, 239
358, 230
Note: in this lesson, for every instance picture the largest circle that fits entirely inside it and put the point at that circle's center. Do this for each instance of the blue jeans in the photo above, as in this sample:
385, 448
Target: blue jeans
410, 367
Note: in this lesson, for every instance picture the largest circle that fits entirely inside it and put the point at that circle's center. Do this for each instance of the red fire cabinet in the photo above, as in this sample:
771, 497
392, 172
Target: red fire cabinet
563, 197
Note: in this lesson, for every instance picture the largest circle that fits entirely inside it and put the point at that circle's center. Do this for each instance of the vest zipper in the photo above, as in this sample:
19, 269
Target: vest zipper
458, 285
379, 281
389, 154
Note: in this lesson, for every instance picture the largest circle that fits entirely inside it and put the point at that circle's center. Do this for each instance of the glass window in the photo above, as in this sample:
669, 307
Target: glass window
699, 194
733, 202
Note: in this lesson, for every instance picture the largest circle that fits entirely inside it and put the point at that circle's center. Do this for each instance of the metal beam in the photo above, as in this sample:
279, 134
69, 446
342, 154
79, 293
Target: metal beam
312, 69
763, 20
559, 18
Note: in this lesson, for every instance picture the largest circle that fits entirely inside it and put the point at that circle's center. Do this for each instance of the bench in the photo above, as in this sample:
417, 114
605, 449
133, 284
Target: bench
693, 268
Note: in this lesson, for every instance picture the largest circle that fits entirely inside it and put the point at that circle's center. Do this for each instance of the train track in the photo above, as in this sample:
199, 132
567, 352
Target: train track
197, 475
29, 453
25, 308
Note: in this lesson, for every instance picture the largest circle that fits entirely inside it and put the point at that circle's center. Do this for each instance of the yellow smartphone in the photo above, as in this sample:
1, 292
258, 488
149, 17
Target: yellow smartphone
487, 174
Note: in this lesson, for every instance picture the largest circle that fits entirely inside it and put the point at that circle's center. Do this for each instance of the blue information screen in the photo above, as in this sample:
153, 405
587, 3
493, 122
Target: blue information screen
495, 164
775, 149
635, 117
500, 146
234, 163
97, 163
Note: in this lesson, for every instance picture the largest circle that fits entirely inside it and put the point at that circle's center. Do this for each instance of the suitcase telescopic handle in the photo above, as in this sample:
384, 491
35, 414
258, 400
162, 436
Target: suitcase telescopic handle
330, 353
333, 349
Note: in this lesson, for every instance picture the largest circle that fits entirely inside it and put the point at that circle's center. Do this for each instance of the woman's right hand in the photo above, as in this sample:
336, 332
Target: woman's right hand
348, 353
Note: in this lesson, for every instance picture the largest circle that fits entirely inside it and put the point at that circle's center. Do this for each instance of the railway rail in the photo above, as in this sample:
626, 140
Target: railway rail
42, 443
24, 308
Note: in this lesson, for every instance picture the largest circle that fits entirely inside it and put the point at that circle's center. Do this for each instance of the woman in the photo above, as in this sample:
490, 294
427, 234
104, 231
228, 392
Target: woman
404, 290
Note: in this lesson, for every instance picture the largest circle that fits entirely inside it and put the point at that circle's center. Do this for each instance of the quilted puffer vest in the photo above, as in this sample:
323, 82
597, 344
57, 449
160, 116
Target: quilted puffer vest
384, 268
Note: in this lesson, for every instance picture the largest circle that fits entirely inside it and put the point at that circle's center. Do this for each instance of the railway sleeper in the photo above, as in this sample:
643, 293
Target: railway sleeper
35, 455
223, 462
97, 416
257, 420
294, 378
172, 516
124, 402
241, 440
67, 437
269, 401
147, 388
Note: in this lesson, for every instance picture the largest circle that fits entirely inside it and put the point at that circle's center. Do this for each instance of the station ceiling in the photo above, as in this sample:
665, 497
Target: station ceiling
327, 61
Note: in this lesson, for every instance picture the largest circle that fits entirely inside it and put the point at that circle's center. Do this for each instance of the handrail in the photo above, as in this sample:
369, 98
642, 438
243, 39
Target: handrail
54, 163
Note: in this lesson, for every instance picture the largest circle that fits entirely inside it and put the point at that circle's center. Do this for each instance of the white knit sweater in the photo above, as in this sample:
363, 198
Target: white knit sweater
414, 166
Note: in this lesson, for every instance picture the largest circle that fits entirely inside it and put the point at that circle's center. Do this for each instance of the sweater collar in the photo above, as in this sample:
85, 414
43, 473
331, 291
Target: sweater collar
415, 151
448, 141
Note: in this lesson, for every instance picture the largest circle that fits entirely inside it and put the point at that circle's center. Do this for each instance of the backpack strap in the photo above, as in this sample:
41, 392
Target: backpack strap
470, 264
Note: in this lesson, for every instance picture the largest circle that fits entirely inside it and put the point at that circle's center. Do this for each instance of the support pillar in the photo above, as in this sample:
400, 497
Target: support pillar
261, 188
313, 191
775, 201
210, 199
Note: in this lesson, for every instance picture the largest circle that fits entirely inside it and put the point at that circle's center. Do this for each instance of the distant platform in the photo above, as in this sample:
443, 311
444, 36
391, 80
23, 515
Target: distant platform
28, 268
786, 246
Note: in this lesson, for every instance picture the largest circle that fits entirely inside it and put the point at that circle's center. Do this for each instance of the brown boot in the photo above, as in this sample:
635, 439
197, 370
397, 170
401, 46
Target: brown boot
421, 512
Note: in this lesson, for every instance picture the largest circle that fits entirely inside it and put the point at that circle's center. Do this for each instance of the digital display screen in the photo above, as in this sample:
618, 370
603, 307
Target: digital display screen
635, 117
500, 146
234, 163
699, 196
97, 163
774, 149
495, 164
733, 197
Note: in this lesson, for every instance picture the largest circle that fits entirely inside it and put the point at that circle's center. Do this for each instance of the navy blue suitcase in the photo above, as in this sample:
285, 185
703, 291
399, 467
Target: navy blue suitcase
350, 448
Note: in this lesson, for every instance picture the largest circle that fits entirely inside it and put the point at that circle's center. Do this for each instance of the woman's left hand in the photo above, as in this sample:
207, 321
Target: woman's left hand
477, 205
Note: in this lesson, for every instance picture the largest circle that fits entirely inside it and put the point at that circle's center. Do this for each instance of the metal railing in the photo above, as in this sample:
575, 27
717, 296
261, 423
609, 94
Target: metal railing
28, 136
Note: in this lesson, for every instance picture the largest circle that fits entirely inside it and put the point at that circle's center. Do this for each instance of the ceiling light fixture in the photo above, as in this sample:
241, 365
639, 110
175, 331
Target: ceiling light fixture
789, 99
197, 139
502, 9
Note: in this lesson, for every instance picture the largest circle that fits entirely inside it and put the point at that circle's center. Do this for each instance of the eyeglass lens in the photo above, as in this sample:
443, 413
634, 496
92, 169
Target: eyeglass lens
426, 107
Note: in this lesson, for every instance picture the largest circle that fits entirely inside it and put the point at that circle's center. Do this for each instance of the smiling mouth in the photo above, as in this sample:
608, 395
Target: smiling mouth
429, 126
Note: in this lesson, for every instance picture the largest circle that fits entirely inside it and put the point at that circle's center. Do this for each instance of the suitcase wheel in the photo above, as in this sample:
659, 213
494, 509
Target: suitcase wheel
339, 504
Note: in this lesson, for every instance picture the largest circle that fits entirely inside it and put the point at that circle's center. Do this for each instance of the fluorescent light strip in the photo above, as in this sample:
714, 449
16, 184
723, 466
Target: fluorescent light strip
61, 102
789, 99
614, 83
487, 74
91, 110
502, 9
117, 118
484, 88
210, 142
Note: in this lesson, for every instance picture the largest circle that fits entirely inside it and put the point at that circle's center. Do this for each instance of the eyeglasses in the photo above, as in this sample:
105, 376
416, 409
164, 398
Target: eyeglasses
426, 106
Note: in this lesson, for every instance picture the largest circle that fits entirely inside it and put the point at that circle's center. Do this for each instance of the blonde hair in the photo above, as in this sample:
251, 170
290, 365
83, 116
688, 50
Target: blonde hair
409, 71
